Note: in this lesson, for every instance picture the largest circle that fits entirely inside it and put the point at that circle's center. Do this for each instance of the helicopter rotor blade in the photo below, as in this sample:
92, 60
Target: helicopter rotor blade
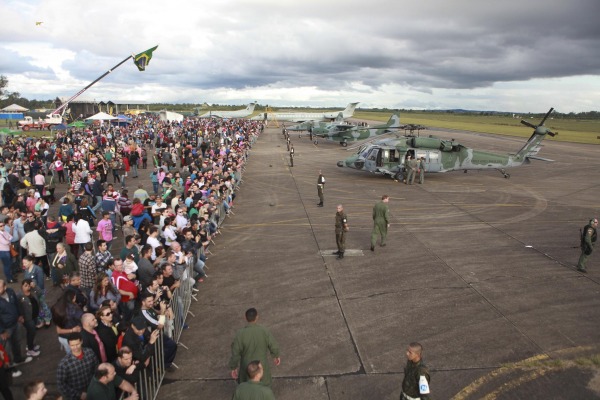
546, 116
529, 124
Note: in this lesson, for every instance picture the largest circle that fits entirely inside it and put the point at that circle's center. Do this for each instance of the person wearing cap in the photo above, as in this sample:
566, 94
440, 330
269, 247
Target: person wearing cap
128, 228
139, 339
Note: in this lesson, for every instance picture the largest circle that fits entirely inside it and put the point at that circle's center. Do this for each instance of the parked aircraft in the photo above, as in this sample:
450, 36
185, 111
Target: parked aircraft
348, 112
243, 113
344, 133
317, 126
388, 156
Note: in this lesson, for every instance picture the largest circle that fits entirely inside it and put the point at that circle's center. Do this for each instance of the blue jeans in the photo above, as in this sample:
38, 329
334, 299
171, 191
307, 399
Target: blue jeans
6, 264
98, 203
155, 187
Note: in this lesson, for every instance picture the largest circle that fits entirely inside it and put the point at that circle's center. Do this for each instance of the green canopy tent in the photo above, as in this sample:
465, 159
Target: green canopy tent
77, 124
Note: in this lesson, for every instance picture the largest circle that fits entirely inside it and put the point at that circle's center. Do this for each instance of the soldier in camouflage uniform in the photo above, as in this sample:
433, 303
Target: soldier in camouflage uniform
412, 389
588, 239
341, 227
253, 342
321, 188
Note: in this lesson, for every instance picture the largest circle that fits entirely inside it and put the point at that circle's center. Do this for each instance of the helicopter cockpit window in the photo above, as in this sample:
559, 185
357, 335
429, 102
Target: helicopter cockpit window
373, 154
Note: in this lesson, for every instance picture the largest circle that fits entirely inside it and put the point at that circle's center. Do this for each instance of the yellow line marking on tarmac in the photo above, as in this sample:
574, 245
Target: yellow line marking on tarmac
518, 382
538, 366
473, 387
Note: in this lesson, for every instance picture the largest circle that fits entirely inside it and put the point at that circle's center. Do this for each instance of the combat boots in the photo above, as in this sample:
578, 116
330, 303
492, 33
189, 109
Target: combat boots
340, 255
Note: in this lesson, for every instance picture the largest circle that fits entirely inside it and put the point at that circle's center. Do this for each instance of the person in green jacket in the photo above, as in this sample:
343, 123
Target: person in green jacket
381, 221
253, 342
253, 390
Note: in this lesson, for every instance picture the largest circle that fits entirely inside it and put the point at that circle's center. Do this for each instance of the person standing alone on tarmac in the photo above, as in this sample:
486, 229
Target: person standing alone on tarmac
381, 221
415, 384
341, 227
589, 235
252, 342
321, 188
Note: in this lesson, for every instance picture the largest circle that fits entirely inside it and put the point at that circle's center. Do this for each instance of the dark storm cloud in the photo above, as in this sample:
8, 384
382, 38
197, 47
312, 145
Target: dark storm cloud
458, 44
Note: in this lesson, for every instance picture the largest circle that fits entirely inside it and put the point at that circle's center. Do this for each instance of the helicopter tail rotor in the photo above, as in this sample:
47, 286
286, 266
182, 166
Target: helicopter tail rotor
541, 124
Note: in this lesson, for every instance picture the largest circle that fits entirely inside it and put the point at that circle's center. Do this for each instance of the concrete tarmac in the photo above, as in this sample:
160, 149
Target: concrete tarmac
477, 268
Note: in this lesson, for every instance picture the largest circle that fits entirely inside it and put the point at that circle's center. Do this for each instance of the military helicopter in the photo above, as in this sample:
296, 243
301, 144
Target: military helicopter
388, 156
343, 132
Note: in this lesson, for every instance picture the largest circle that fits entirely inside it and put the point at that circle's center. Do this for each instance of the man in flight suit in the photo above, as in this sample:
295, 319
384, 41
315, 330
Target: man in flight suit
252, 389
421, 170
588, 239
411, 164
381, 221
253, 342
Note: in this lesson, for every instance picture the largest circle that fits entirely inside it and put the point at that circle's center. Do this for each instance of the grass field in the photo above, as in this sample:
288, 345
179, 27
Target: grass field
570, 130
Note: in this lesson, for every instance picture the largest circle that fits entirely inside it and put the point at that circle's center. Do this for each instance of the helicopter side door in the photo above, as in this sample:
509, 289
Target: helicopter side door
373, 159
433, 162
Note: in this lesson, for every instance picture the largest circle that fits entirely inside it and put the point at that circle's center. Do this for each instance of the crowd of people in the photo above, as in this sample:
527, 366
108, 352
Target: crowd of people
114, 251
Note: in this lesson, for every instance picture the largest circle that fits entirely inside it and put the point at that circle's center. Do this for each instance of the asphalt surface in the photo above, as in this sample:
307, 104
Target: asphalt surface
478, 268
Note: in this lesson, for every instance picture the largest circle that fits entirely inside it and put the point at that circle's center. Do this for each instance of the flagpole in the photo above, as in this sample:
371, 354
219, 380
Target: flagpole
66, 103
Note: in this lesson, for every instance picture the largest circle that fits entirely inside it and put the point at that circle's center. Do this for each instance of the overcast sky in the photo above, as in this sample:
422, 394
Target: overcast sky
526, 55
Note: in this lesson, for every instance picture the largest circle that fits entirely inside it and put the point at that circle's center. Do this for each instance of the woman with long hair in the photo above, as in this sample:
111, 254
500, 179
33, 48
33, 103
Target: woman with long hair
103, 290
66, 315
86, 212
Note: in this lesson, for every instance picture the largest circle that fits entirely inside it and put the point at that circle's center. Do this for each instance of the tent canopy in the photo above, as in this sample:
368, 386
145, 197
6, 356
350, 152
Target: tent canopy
102, 116
15, 108
59, 127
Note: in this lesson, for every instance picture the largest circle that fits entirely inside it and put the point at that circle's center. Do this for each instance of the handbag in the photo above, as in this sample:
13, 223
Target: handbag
13, 250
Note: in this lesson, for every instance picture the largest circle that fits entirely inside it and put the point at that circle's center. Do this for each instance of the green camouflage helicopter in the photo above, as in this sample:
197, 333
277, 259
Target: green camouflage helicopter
343, 132
388, 156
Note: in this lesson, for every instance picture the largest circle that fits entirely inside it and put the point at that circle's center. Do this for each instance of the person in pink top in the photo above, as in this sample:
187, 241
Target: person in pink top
105, 228
70, 236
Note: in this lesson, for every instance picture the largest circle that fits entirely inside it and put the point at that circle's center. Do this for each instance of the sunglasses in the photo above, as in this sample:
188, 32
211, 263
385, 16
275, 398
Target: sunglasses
107, 314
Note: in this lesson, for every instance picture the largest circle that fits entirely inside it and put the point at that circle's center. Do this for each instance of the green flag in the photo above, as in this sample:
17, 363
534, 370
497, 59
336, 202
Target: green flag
143, 59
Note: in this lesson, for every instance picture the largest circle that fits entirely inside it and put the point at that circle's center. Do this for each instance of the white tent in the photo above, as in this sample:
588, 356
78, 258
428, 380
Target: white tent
14, 108
170, 116
102, 116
